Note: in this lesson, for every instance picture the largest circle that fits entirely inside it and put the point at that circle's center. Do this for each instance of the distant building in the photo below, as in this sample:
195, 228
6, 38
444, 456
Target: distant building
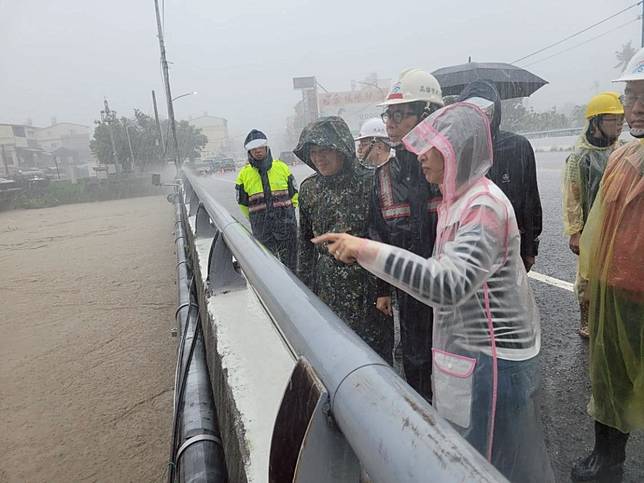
357, 105
354, 106
24, 147
19, 148
216, 130
67, 135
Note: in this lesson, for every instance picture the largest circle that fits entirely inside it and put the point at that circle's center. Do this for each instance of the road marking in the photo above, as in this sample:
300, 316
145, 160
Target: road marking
552, 281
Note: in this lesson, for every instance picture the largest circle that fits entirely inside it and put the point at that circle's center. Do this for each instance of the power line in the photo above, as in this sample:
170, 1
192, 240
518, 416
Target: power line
582, 43
577, 33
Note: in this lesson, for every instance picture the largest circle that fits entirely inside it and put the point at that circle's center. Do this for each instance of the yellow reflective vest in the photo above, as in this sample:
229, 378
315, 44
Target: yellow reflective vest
268, 199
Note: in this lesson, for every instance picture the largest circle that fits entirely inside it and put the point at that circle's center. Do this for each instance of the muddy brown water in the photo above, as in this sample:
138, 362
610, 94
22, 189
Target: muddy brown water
87, 298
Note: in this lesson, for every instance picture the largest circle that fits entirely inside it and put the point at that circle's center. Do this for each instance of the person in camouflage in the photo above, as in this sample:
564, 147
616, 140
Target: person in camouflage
336, 198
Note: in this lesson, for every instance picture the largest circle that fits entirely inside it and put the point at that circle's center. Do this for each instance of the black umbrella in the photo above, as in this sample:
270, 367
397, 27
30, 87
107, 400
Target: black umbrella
511, 81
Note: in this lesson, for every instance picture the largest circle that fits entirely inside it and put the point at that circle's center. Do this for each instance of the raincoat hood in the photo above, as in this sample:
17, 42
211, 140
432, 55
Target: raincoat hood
583, 142
461, 132
486, 90
327, 132
257, 139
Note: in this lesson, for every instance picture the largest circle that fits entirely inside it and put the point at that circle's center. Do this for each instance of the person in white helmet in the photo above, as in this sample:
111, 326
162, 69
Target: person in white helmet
373, 143
404, 214
611, 257
487, 331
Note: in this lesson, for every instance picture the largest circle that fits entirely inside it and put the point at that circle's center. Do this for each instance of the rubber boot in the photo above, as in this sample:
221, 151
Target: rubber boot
583, 320
607, 458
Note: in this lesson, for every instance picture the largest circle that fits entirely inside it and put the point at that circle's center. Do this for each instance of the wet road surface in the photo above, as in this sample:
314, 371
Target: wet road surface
564, 355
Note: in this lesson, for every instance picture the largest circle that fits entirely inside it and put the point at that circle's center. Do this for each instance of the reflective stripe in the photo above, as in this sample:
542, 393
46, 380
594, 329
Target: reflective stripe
396, 211
276, 204
432, 204
258, 207
281, 204
390, 210
386, 194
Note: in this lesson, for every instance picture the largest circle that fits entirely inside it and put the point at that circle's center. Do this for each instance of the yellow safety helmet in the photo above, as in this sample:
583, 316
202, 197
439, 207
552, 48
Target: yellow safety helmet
604, 103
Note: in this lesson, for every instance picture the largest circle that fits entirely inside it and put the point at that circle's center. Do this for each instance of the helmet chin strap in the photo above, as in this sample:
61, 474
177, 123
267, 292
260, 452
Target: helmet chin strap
610, 139
371, 145
637, 133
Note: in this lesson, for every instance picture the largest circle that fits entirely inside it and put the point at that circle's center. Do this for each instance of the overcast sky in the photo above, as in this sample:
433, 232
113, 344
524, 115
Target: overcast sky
60, 58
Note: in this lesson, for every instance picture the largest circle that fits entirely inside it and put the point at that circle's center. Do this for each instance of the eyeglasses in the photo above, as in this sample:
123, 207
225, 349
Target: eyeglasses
612, 119
396, 116
629, 99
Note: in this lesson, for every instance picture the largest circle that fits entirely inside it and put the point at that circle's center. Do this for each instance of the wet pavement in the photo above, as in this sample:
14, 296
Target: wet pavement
565, 384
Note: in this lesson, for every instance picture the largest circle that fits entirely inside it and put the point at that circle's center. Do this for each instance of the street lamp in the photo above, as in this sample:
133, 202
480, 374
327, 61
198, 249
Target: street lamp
184, 95
165, 147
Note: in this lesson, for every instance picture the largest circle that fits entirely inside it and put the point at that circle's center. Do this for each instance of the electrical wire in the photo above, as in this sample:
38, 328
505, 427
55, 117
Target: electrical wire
582, 43
577, 33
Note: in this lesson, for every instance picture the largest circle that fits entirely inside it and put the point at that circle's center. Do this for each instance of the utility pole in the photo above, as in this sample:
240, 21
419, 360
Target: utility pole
129, 142
642, 22
156, 117
109, 117
4, 161
168, 93
57, 170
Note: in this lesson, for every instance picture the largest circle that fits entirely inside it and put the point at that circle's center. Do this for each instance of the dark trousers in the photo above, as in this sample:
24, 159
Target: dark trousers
284, 251
416, 322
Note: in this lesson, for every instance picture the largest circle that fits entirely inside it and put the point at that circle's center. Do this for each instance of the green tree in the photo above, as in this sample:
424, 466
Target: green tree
513, 115
624, 56
517, 118
101, 144
189, 138
146, 144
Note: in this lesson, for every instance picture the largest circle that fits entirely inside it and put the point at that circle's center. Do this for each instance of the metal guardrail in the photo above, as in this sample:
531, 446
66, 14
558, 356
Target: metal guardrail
196, 452
571, 131
396, 435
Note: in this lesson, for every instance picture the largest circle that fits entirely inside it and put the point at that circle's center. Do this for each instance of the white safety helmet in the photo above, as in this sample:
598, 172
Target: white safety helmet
373, 128
414, 85
635, 69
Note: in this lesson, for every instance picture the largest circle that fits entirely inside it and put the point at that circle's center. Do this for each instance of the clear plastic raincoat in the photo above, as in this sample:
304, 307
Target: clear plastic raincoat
486, 329
611, 258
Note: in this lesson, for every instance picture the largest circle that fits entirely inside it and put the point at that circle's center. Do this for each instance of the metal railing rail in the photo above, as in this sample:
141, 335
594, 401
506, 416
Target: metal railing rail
196, 452
396, 434
569, 131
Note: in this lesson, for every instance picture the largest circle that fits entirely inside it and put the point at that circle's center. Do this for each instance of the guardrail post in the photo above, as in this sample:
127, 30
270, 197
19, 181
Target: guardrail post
193, 204
223, 275
188, 191
203, 227
307, 446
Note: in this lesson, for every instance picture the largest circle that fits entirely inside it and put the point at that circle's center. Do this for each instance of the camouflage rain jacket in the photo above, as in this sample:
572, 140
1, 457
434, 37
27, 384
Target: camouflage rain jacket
339, 203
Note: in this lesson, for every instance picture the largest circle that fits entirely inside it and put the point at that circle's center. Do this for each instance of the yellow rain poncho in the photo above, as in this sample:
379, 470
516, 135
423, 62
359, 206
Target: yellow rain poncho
583, 172
612, 259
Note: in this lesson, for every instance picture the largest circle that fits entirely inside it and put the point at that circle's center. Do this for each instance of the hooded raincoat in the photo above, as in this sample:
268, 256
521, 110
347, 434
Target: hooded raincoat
267, 195
611, 258
486, 325
583, 172
514, 170
339, 203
